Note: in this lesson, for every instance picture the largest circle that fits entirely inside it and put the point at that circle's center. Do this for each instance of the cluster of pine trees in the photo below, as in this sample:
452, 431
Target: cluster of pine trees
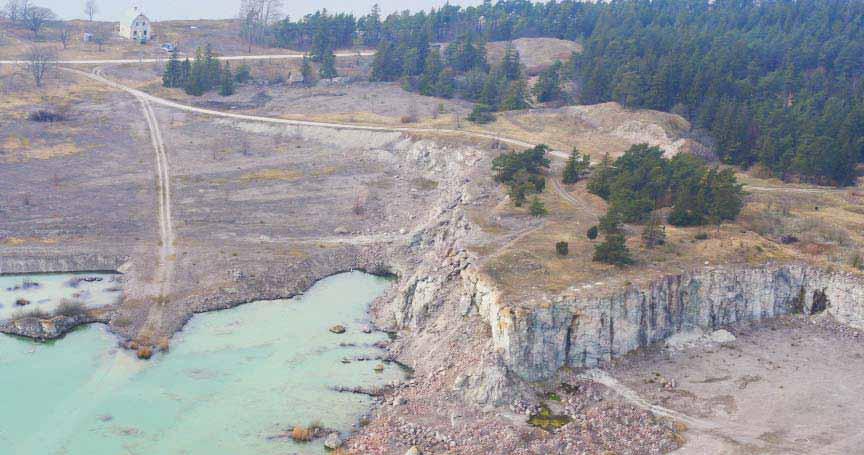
643, 180
463, 71
203, 74
522, 172
777, 83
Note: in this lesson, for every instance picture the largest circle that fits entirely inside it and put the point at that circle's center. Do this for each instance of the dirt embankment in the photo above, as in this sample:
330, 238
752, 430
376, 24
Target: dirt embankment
535, 53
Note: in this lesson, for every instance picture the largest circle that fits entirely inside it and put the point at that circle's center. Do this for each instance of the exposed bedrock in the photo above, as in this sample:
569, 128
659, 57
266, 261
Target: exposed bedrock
56, 327
532, 341
535, 341
73, 262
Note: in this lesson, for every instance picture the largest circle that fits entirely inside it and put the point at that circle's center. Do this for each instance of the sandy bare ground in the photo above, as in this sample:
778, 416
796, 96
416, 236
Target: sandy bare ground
789, 386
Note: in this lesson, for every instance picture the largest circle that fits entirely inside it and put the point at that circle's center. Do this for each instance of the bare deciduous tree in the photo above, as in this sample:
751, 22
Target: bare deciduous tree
100, 37
256, 16
272, 11
64, 35
39, 61
90, 9
16, 9
36, 17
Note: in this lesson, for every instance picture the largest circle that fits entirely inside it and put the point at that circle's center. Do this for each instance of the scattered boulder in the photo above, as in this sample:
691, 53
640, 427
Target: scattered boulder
413, 451
722, 336
164, 344
22, 302
338, 329
379, 368
695, 337
333, 441
366, 329
301, 434
145, 352
687, 338
788, 239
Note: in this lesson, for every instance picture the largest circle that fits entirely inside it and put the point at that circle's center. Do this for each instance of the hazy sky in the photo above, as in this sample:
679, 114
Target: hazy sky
217, 9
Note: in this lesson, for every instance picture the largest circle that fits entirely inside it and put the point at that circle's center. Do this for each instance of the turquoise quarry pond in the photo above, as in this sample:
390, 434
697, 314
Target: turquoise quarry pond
232, 381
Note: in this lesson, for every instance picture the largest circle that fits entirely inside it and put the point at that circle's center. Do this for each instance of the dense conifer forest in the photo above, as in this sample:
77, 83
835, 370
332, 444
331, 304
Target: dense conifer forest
776, 83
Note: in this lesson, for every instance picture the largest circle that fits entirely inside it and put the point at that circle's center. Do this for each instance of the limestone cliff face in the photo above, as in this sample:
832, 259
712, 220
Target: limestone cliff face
580, 331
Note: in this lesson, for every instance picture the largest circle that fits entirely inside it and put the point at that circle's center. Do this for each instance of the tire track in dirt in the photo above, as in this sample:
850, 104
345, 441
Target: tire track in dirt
165, 59
166, 256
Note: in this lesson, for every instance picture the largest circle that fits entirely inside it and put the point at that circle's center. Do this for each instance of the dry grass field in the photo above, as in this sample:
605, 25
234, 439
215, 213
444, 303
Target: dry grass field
518, 252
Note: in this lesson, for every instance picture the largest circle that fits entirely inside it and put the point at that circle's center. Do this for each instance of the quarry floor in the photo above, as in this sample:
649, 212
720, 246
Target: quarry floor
788, 386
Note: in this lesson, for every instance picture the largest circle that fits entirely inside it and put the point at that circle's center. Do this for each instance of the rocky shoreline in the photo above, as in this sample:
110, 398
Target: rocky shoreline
54, 327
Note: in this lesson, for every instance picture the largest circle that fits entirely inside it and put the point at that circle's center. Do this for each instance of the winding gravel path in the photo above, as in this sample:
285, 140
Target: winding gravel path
164, 59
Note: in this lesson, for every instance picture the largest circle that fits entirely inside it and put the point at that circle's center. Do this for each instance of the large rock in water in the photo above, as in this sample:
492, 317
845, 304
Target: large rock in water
49, 329
333, 441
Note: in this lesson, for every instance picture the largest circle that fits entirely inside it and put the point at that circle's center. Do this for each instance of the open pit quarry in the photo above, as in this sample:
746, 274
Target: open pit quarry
262, 210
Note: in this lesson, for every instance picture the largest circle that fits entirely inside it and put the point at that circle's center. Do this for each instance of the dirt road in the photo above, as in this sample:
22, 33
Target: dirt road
160, 60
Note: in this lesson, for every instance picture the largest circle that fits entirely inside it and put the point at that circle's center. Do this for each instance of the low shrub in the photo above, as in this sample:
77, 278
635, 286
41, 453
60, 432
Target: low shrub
243, 74
36, 313
593, 233
70, 308
44, 116
702, 236
562, 248
481, 114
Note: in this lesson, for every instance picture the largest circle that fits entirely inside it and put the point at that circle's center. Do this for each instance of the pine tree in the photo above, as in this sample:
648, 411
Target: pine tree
431, 76
196, 84
172, 75
491, 93
226, 86
386, 66
481, 114
185, 73
243, 74
212, 69
575, 167
548, 86
445, 87
516, 94
613, 250
511, 66
601, 180
537, 207
328, 65
654, 232
306, 71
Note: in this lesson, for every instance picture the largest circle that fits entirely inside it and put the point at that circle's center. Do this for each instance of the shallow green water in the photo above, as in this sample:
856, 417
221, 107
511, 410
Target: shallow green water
46, 291
233, 379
